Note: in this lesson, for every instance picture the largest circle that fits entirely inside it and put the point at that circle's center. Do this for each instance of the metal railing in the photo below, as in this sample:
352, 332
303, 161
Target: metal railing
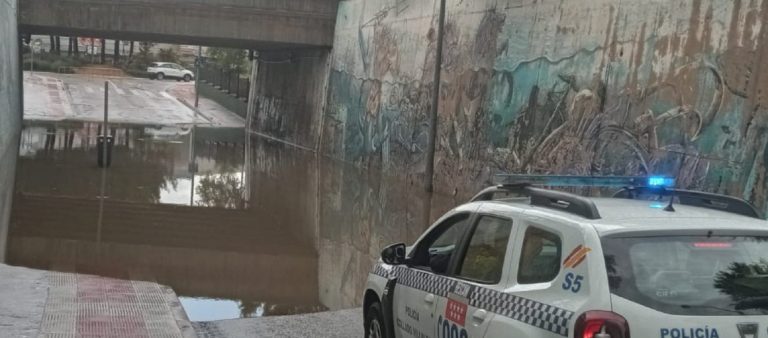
228, 80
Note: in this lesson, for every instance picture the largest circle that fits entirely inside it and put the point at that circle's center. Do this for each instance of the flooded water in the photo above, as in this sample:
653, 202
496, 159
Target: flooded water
279, 231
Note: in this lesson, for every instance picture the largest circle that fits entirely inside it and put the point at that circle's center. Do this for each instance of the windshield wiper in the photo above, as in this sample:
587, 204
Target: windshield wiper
688, 307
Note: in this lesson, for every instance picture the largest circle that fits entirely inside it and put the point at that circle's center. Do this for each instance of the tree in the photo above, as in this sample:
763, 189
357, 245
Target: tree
222, 191
144, 57
76, 46
228, 57
103, 51
116, 53
168, 55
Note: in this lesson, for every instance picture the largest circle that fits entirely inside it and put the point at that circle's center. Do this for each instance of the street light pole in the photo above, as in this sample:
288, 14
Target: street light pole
197, 74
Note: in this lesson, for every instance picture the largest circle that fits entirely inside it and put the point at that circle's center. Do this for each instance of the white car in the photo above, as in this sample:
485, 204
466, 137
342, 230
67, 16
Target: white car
162, 70
652, 261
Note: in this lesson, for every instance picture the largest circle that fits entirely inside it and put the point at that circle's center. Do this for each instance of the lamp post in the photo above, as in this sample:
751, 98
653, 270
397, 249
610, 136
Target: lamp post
37, 45
198, 63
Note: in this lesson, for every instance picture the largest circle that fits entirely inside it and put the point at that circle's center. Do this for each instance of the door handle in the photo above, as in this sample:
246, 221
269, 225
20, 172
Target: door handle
429, 299
479, 316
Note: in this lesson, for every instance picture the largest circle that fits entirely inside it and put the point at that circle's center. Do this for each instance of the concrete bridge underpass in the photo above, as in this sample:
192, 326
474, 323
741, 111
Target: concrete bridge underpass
245, 24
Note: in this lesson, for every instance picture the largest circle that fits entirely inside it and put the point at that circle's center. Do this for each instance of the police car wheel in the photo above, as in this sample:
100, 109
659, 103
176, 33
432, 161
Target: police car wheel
374, 327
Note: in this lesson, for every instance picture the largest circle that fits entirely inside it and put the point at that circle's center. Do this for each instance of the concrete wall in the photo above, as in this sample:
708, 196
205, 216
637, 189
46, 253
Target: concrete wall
10, 112
234, 23
290, 94
565, 87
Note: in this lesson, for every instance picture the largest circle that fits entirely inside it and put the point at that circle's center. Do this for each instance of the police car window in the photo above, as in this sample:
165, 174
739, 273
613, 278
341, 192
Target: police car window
436, 250
691, 275
540, 259
484, 259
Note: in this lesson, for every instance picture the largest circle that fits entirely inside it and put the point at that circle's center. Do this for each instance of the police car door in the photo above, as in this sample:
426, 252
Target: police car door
548, 281
480, 274
421, 282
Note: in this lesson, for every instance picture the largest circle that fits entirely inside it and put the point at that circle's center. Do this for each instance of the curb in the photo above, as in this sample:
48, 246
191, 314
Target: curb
191, 107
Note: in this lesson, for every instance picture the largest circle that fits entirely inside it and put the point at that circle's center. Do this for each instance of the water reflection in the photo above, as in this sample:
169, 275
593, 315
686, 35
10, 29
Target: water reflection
150, 164
285, 233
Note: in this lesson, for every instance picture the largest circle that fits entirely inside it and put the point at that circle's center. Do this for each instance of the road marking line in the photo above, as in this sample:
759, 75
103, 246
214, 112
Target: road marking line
149, 94
137, 92
168, 96
88, 89
117, 90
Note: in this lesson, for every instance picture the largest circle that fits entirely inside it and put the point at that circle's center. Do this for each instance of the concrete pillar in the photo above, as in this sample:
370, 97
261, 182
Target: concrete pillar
10, 112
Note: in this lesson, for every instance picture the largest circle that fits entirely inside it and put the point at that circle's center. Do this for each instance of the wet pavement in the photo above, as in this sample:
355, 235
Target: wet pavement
78, 97
283, 233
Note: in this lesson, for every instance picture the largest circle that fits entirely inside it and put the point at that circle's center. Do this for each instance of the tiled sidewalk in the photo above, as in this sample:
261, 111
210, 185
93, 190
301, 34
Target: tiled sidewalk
91, 306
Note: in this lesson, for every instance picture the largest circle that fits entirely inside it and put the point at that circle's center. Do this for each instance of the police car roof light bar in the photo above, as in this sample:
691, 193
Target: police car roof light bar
588, 181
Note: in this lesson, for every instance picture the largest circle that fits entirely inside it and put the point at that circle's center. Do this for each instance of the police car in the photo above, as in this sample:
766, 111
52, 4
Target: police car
524, 261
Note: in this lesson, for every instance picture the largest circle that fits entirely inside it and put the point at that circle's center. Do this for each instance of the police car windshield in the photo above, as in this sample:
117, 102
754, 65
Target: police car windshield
691, 275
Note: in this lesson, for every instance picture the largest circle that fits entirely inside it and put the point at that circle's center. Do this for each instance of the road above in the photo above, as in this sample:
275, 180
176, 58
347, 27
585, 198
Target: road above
63, 97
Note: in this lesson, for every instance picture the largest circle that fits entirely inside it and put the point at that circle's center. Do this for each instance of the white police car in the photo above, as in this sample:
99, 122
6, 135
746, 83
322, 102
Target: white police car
555, 264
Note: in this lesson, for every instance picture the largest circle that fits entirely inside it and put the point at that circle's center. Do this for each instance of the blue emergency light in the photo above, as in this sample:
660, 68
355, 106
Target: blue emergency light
661, 182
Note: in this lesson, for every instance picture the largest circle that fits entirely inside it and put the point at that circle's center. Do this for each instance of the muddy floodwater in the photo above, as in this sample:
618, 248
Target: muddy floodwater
236, 228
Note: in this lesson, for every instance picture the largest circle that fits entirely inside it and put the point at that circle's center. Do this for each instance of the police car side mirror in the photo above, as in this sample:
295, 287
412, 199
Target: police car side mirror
394, 254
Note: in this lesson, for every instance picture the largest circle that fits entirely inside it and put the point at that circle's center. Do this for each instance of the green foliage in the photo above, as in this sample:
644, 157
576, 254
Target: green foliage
48, 62
167, 55
144, 57
222, 191
229, 58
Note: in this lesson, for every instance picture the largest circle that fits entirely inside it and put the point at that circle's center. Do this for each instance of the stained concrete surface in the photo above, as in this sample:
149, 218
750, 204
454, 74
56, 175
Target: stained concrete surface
254, 24
23, 293
343, 323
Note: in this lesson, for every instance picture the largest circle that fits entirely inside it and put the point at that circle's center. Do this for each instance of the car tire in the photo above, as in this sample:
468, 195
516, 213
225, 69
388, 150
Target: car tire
374, 322
187, 78
160, 76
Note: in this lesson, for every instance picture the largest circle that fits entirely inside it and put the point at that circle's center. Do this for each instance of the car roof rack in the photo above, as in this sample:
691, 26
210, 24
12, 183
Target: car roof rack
707, 200
488, 193
552, 199
631, 188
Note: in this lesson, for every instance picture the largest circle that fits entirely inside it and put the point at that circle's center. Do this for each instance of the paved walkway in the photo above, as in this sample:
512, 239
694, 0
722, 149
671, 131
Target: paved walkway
63, 305
215, 113
22, 301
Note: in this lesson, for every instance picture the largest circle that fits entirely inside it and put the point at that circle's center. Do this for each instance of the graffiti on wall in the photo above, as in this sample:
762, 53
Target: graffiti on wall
553, 87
